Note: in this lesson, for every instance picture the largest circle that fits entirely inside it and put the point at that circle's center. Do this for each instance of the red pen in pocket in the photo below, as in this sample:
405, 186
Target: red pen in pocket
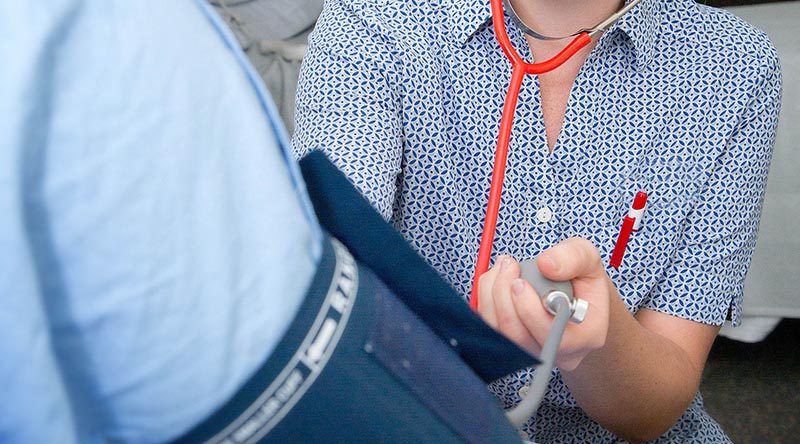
632, 222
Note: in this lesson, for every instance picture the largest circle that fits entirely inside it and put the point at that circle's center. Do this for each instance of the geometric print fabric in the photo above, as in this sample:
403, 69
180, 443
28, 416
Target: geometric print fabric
677, 99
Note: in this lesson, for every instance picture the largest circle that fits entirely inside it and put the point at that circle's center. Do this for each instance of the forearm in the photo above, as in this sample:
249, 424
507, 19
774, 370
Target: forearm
639, 383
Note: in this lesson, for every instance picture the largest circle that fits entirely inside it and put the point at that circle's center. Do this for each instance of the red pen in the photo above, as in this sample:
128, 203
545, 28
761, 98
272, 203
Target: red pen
632, 222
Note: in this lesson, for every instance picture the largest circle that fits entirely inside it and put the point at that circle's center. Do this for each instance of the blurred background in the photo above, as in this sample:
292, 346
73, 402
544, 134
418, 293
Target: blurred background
752, 381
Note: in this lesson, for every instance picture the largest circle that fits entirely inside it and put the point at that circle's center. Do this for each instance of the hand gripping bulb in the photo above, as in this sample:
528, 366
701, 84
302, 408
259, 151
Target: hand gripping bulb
558, 299
552, 291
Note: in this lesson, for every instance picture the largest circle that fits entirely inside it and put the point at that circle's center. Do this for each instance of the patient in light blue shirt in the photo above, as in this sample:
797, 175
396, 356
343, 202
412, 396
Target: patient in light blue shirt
148, 215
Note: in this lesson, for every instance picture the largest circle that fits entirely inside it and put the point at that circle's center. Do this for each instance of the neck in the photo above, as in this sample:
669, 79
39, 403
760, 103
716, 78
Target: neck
564, 17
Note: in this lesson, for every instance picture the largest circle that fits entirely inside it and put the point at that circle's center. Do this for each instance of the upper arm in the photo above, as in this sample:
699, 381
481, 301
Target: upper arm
35, 404
348, 104
704, 279
120, 227
703, 286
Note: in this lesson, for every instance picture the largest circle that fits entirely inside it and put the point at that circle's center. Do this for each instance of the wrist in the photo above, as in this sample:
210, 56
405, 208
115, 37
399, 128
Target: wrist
594, 339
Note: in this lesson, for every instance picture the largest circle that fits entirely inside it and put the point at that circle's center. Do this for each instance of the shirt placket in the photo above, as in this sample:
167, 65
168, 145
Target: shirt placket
571, 151
541, 207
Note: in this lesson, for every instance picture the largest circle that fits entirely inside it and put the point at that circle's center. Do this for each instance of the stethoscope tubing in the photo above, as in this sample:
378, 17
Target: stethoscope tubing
519, 68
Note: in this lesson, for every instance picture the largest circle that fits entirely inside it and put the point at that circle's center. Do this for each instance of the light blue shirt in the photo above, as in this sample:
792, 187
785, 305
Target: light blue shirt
677, 99
155, 240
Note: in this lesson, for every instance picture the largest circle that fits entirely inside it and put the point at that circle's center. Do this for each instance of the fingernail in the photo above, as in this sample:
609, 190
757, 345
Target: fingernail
503, 261
517, 286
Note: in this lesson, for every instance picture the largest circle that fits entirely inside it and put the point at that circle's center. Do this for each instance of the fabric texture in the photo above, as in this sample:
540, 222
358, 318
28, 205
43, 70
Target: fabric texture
156, 240
357, 366
347, 215
677, 99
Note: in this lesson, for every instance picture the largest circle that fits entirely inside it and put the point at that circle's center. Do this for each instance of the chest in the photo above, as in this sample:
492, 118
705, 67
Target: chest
619, 131
555, 86
555, 96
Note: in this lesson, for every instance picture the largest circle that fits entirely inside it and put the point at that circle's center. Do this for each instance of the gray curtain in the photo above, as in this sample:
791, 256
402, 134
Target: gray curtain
273, 34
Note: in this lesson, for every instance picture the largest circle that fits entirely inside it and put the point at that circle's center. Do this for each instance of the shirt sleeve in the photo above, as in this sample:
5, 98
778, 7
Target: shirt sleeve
34, 402
705, 280
348, 107
34, 406
155, 242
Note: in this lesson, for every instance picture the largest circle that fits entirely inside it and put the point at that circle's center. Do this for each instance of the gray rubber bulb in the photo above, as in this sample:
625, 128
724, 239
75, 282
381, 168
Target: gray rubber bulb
551, 291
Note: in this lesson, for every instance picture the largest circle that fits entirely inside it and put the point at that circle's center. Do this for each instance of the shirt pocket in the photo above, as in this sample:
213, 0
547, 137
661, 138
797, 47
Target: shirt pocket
651, 249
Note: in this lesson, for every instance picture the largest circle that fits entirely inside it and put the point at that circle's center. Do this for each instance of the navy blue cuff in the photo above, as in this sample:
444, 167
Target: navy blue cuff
347, 216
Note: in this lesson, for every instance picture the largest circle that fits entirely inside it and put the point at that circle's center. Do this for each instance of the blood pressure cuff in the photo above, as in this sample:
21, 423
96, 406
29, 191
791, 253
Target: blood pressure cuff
357, 365
344, 213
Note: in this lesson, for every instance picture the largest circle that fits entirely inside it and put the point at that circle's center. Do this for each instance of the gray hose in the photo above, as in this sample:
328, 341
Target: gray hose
520, 414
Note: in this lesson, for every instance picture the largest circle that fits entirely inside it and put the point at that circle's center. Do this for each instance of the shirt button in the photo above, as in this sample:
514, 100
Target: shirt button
544, 214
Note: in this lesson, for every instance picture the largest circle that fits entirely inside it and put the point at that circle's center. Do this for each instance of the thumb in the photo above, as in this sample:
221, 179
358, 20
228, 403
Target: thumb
570, 259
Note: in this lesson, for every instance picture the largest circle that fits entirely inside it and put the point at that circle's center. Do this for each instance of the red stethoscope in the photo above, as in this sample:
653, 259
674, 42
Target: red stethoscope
519, 68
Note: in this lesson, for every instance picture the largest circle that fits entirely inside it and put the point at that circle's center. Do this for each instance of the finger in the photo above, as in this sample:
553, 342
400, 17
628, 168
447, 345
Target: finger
507, 319
485, 303
572, 258
486, 281
530, 310
501, 291
592, 332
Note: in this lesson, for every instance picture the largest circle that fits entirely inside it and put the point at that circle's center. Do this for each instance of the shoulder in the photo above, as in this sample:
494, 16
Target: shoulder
721, 39
397, 24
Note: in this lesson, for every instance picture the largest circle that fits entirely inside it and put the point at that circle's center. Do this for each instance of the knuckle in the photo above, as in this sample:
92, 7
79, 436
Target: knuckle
588, 252
506, 319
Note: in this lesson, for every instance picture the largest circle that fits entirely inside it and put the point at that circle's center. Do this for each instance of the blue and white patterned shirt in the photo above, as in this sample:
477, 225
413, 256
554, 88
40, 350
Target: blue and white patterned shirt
677, 99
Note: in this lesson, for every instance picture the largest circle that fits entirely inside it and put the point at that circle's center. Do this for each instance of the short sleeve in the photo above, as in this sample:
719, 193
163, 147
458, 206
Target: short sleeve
705, 279
348, 108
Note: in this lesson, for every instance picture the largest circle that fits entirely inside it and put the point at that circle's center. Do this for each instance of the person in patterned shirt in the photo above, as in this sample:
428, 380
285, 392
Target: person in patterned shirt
677, 99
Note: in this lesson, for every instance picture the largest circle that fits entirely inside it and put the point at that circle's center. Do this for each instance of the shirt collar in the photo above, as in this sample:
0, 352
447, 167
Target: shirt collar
466, 17
640, 24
